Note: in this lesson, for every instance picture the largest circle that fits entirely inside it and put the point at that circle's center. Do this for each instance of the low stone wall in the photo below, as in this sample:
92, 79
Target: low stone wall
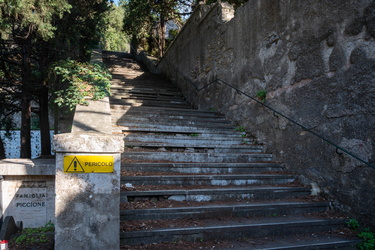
315, 60
87, 184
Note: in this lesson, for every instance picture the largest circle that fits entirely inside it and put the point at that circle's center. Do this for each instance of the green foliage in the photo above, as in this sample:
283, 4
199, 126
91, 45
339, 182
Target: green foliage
145, 20
173, 33
30, 16
368, 237
194, 135
114, 38
76, 81
81, 30
240, 129
353, 224
262, 94
34, 235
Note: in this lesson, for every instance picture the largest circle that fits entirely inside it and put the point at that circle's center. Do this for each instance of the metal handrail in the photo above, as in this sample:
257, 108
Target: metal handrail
276, 113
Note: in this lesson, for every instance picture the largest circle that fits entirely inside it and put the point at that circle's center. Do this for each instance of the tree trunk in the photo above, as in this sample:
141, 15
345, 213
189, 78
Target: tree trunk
2, 149
45, 136
162, 31
134, 47
26, 105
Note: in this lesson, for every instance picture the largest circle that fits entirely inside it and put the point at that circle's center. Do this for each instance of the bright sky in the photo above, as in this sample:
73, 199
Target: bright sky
116, 1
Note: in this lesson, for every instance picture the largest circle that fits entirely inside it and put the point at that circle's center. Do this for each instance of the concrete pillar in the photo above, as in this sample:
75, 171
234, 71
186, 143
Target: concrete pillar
87, 190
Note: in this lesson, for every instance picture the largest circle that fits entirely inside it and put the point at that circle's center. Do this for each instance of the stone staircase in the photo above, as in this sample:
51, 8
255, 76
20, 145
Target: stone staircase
192, 180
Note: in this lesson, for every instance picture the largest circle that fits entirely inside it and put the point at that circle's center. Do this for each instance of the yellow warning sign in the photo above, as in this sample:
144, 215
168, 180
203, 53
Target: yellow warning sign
88, 164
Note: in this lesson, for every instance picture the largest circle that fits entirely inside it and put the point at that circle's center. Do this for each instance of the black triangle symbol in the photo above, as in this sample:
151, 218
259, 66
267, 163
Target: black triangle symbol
75, 167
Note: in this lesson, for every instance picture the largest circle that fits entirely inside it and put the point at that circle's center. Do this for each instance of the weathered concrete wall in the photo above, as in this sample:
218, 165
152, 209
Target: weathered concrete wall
88, 198
316, 60
28, 190
87, 203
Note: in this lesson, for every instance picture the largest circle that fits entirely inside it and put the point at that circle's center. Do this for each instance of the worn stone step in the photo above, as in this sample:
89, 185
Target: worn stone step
208, 135
143, 113
131, 83
250, 209
142, 96
153, 103
123, 82
204, 168
311, 241
247, 193
265, 227
179, 124
145, 97
165, 111
173, 118
188, 138
178, 128
198, 157
195, 146
213, 180
152, 122
140, 81
151, 90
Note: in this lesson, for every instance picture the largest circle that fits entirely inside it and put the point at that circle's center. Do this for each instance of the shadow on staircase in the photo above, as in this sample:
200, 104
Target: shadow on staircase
192, 180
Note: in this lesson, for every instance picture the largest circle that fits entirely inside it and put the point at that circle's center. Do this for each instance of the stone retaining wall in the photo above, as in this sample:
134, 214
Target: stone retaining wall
315, 60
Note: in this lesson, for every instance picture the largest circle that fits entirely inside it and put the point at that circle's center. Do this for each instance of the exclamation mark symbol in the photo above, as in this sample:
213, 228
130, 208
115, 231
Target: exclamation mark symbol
75, 166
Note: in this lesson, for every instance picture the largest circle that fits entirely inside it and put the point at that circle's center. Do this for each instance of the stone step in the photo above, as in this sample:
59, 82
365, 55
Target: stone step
162, 117
195, 146
188, 138
119, 84
150, 90
305, 242
256, 228
204, 168
142, 96
118, 80
154, 103
144, 113
165, 111
137, 93
178, 124
197, 157
166, 121
310, 241
123, 82
145, 97
250, 209
204, 136
232, 193
207, 180
161, 128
